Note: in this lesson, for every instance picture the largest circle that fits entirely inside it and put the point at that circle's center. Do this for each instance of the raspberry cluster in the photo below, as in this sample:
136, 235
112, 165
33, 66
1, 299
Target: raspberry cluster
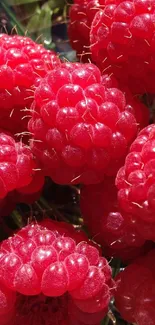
136, 290
40, 266
22, 64
81, 129
88, 129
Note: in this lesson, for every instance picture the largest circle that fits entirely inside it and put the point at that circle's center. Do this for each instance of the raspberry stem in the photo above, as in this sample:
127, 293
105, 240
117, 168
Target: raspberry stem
17, 218
105, 321
116, 268
52, 209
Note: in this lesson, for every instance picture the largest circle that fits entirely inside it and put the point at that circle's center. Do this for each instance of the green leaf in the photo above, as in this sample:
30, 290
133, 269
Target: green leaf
55, 4
21, 2
34, 22
39, 25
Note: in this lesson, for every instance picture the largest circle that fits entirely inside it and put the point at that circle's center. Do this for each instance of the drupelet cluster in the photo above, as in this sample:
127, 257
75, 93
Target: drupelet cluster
22, 65
48, 265
81, 130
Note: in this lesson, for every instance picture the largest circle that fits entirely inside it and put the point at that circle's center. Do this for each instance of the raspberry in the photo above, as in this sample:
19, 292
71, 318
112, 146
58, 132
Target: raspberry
81, 130
17, 165
81, 16
135, 291
136, 182
134, 106
22, 64
122, 41
36, 255
137, 108
107, 224
30, 193
27, 194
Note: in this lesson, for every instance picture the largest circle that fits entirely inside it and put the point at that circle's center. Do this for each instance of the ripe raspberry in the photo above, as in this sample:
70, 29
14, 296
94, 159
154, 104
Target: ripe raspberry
27, 194
30, 193
136, 290
107, 224
17, 165
134, 105
22, 64
36, 255
136, 183
122, 39
81, 15
81, 130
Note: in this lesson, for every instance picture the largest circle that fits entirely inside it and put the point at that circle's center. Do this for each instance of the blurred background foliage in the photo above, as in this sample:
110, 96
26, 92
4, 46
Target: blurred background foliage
44, 21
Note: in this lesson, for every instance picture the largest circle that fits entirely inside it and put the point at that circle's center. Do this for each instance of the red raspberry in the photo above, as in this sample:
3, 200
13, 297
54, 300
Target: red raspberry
17, 165
134, 105
81, 16
30, 193
122, 39
136, 290
36, 255
107, 224
27, 194
136, 183
81, 130
22, 64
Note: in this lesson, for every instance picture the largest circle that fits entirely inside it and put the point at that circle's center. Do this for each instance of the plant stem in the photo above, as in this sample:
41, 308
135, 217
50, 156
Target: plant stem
13, 20
17, 218
105, 321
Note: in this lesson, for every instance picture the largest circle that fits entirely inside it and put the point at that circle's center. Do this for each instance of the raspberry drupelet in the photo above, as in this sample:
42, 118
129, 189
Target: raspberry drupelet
22, 64
135, 292
17, 167
136, 183
81, 15
81, 129
55, 276
122, 39
107, 224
